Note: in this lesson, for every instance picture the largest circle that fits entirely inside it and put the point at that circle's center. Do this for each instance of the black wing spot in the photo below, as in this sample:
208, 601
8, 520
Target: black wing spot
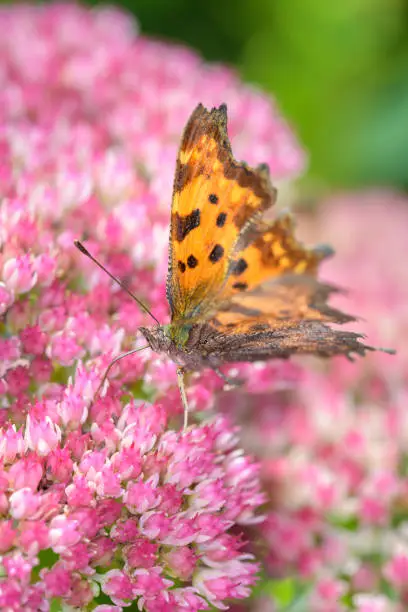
221, 219
239, 266
185, 224
240, 286
192, 261
213, 198
181, 266
216, 253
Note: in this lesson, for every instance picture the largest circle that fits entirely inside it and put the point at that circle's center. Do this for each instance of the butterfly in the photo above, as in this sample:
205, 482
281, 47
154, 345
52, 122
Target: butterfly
240, 288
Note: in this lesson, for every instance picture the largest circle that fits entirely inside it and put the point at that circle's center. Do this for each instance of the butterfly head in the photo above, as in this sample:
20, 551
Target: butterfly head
169, 339
158, 338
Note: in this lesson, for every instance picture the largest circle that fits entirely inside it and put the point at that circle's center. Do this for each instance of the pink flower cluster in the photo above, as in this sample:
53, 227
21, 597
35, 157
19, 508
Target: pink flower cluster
105, 503
145, 515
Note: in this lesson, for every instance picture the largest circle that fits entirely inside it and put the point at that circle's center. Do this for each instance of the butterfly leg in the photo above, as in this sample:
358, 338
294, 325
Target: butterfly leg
182, 388
112, 363
232, 382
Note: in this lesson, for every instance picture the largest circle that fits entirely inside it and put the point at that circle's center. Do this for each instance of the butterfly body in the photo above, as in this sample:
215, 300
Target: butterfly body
160, 340
190, 354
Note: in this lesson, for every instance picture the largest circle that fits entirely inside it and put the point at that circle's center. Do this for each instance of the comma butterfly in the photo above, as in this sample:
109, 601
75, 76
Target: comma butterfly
239, 288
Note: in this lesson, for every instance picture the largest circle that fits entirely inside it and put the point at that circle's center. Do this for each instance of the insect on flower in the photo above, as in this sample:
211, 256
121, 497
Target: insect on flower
239, 288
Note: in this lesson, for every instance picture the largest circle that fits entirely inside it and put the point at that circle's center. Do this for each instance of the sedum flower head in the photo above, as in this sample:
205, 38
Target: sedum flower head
125, 518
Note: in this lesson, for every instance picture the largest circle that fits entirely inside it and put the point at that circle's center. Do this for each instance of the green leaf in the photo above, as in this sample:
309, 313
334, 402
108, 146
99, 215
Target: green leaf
56, 605
47, 558
288, 594
282, 591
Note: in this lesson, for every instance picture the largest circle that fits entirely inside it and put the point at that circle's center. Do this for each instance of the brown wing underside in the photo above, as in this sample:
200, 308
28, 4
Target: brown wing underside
294, 338
286, 317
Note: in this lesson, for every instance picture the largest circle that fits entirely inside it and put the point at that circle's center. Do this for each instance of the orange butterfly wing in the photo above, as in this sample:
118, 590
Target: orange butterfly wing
215, 200
273, 250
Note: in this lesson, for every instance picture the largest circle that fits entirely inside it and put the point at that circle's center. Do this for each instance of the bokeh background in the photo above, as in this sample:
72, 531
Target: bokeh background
331, 438
339, 71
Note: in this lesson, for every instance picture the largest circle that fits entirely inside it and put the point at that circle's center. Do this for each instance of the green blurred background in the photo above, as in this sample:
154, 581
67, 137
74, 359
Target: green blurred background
339, 71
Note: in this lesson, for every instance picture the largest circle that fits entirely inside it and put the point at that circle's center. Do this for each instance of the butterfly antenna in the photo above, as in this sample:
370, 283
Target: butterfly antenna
85, 251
